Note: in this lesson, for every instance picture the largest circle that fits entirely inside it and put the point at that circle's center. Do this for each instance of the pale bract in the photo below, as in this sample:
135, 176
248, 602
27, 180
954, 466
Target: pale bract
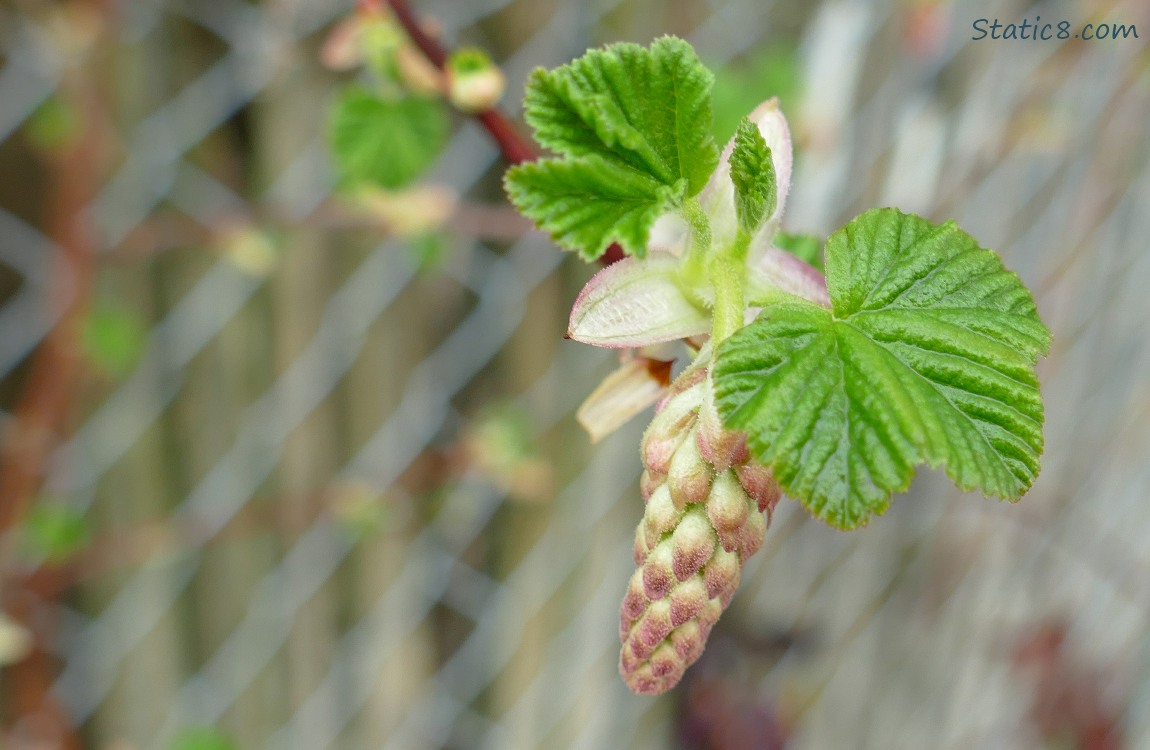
639, 302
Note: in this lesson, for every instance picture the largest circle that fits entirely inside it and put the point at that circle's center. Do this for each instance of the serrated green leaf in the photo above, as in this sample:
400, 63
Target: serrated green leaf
753, 174
805, 247
587, 204
386, 142
639, 115
926, 356
649, 107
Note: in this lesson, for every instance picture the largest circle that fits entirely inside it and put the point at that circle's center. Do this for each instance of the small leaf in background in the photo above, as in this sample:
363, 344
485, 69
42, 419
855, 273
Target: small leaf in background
631, 127
501, 444
380, 39
55, 532
429, 251
806, 247
202, 738
740, 86
54, 125
251, 250
114, 338
927, 357
359, 508
386, 142
753, 174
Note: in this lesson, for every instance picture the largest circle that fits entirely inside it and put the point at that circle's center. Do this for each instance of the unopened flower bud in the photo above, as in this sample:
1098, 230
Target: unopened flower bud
661, 516
727, 508
721, 447
700, 524
752, 534
722, 573
639, 548
688, 600
689, 476
760, 484
652, 628
692, 544
669, 429
474, 82
635, 602
658, 572
649, 482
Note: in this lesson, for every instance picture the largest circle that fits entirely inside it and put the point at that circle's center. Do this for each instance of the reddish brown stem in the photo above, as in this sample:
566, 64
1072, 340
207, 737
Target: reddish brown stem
514, 147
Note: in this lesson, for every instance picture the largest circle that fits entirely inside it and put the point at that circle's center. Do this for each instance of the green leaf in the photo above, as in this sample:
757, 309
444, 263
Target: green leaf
56, 532
113, 339
587, 204
805, 247
202, 739
743, 84
753, 174
386, 142
926, 356
632, 114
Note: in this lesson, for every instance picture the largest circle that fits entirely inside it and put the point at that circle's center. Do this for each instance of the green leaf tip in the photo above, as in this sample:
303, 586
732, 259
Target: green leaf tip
926, 357
631, 129
753, 174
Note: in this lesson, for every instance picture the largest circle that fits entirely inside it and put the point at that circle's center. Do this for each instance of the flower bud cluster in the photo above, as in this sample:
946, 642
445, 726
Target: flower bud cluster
705, 503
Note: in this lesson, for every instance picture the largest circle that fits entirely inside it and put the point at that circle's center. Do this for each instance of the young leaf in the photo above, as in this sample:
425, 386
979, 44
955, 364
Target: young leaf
385, 142
589, 203
806, 247
753, 174
632, 126
926, 356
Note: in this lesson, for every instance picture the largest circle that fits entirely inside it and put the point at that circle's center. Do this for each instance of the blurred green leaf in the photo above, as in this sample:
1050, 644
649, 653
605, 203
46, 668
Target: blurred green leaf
430, 251
55, 532
808, 247
359, 509
202, 739
386, 142
54, 125
113, 339
743, 85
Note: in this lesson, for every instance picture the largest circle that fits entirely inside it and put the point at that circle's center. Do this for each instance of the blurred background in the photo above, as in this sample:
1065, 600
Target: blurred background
287, 469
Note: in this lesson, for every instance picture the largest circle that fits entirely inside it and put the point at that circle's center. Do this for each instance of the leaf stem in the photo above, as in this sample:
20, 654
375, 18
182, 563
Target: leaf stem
728, 274
695, 268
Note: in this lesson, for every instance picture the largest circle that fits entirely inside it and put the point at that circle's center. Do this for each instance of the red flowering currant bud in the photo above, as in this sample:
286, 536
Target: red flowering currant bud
670, 428
703, 519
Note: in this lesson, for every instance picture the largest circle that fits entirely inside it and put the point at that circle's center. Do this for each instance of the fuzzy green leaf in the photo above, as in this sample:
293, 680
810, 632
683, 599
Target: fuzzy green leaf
638, 117
753, 174
587, 204
386, 142
926, 356
805, 247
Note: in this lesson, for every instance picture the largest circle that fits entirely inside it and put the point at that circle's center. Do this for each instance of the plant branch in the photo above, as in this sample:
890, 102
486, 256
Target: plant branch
514, 148
512, 145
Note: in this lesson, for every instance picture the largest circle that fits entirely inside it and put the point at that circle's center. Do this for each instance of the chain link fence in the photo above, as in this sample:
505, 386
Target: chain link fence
300, 526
